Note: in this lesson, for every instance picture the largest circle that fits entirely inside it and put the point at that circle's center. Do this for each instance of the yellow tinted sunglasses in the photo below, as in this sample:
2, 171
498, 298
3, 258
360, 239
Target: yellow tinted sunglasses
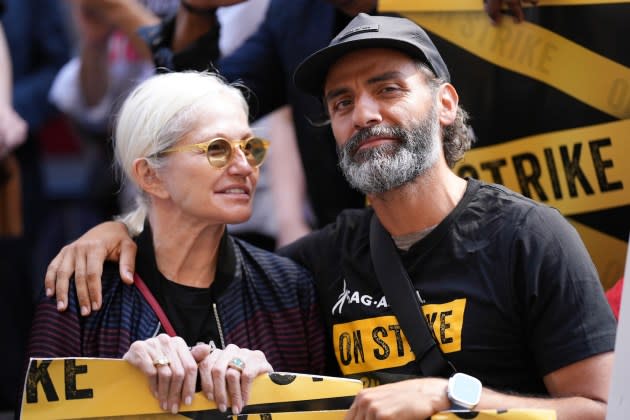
219, 151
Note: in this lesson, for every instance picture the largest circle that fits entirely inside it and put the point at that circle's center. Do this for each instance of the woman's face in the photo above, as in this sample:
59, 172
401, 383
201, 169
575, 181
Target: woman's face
198, 191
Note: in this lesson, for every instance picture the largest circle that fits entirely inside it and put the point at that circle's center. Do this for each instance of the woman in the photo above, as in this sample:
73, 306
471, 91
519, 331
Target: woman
184, 140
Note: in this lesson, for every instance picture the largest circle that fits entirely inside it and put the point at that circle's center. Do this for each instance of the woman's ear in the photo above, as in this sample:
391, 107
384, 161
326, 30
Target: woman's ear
148, 179
448, 101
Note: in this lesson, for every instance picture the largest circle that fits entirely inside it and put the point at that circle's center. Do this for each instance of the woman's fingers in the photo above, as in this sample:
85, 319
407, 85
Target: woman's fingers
257, 364
227, 376
170, 368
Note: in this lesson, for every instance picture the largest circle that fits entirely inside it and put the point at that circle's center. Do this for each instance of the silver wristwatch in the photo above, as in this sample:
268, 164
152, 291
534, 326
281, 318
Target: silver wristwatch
464, 391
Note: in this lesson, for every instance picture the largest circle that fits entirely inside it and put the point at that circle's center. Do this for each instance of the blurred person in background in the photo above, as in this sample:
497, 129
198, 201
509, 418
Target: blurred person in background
108, 39
38, 46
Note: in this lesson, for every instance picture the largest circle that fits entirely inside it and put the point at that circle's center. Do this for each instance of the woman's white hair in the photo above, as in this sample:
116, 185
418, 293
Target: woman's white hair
155, 116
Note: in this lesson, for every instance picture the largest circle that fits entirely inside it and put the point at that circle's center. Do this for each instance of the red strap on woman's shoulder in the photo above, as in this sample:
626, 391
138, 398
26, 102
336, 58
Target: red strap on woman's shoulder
144, 290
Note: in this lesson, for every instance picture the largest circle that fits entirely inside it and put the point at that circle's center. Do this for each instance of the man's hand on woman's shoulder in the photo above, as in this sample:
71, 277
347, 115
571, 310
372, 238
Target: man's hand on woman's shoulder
84, 259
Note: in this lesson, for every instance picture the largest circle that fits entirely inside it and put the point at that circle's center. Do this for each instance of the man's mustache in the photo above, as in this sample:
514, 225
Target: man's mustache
364, 134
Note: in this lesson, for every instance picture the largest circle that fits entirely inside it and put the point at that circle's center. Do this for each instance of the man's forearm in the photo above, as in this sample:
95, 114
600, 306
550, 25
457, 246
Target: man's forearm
135, 17
569, 408
94, 73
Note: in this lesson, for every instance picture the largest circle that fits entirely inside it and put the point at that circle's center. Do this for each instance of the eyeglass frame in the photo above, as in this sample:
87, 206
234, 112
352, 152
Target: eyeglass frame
205, 146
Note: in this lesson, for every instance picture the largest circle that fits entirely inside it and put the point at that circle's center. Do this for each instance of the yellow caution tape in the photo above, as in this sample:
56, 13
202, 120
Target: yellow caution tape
535, 52
470, 5
576, 171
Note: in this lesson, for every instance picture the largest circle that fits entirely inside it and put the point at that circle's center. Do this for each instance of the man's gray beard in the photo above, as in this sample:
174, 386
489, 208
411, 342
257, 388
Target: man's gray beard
383, 168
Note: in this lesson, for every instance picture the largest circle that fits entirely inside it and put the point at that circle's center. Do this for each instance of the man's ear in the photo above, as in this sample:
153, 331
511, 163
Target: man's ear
148, 179
448, 101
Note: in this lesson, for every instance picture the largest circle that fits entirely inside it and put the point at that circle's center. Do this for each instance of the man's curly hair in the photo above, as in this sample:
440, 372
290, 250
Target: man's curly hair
458, 137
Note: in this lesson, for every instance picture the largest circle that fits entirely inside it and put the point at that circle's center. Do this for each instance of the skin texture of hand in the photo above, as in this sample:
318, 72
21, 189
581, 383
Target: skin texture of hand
126, 15
174, 384
412, 399
84, 258
13, 129
493, 9
223, 384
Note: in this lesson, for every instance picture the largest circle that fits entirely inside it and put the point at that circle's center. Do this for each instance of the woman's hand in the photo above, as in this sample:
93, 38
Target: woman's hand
226, 375
230, 373
170, 367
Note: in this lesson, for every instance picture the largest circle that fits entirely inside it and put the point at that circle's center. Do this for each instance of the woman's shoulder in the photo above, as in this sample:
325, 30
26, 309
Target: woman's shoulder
269, 261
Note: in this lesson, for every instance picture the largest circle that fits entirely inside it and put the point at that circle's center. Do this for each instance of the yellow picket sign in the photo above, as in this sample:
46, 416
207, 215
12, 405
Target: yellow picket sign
470, 5
97, 388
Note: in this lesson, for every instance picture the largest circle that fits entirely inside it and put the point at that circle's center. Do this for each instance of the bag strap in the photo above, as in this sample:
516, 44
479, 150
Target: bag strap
146, 293
402, 298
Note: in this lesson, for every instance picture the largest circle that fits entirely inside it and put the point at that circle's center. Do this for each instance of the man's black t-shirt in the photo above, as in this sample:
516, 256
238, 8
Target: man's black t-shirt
508, 288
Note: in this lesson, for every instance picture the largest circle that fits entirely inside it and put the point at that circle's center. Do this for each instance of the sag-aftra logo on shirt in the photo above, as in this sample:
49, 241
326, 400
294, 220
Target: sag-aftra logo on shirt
378, 343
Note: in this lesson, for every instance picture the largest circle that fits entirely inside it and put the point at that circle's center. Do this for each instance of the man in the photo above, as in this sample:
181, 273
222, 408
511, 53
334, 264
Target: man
505, 282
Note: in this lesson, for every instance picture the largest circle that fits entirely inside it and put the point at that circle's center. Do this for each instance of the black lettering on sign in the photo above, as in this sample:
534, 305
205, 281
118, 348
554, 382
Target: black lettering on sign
399, 341
531, 177
444, 326
37, 374
553, 172
572, 170
431, 321
560, 167
265, 416
494, 166
377, 333
358, 347
600, 165
71, 370
344, 348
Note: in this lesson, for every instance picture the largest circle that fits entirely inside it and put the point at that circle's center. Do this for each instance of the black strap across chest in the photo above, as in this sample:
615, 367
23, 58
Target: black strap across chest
402, 298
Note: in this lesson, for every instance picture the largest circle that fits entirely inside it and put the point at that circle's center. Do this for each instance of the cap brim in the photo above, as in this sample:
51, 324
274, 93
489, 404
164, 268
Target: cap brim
311, 74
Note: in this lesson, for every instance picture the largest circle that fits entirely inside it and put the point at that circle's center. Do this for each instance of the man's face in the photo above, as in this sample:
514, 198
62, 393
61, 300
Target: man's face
384, 118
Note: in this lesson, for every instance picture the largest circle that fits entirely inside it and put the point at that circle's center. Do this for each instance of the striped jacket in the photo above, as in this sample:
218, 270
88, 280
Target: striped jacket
269, 305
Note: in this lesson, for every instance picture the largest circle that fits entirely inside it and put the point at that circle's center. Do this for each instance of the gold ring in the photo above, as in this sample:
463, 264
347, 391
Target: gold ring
237, 364
161, 361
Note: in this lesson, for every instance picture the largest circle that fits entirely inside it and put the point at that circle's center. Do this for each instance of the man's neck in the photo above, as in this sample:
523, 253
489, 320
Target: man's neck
420, 204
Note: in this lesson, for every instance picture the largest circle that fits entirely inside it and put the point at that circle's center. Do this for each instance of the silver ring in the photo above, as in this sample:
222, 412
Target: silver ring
237, 364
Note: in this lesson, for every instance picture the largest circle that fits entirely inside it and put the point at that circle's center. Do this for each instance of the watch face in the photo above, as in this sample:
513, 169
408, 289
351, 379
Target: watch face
464, 390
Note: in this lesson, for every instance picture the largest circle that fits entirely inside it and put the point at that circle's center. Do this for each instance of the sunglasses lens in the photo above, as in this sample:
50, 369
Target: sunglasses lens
219, 152
255, 151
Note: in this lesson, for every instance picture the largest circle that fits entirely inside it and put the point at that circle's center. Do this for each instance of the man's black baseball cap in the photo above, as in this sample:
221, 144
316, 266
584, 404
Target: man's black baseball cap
365, 31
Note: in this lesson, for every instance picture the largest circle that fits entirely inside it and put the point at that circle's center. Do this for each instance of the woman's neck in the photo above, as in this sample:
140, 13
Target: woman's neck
186, 252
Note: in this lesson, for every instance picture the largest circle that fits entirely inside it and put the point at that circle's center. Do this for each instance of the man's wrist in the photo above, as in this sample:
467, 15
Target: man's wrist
463, 391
